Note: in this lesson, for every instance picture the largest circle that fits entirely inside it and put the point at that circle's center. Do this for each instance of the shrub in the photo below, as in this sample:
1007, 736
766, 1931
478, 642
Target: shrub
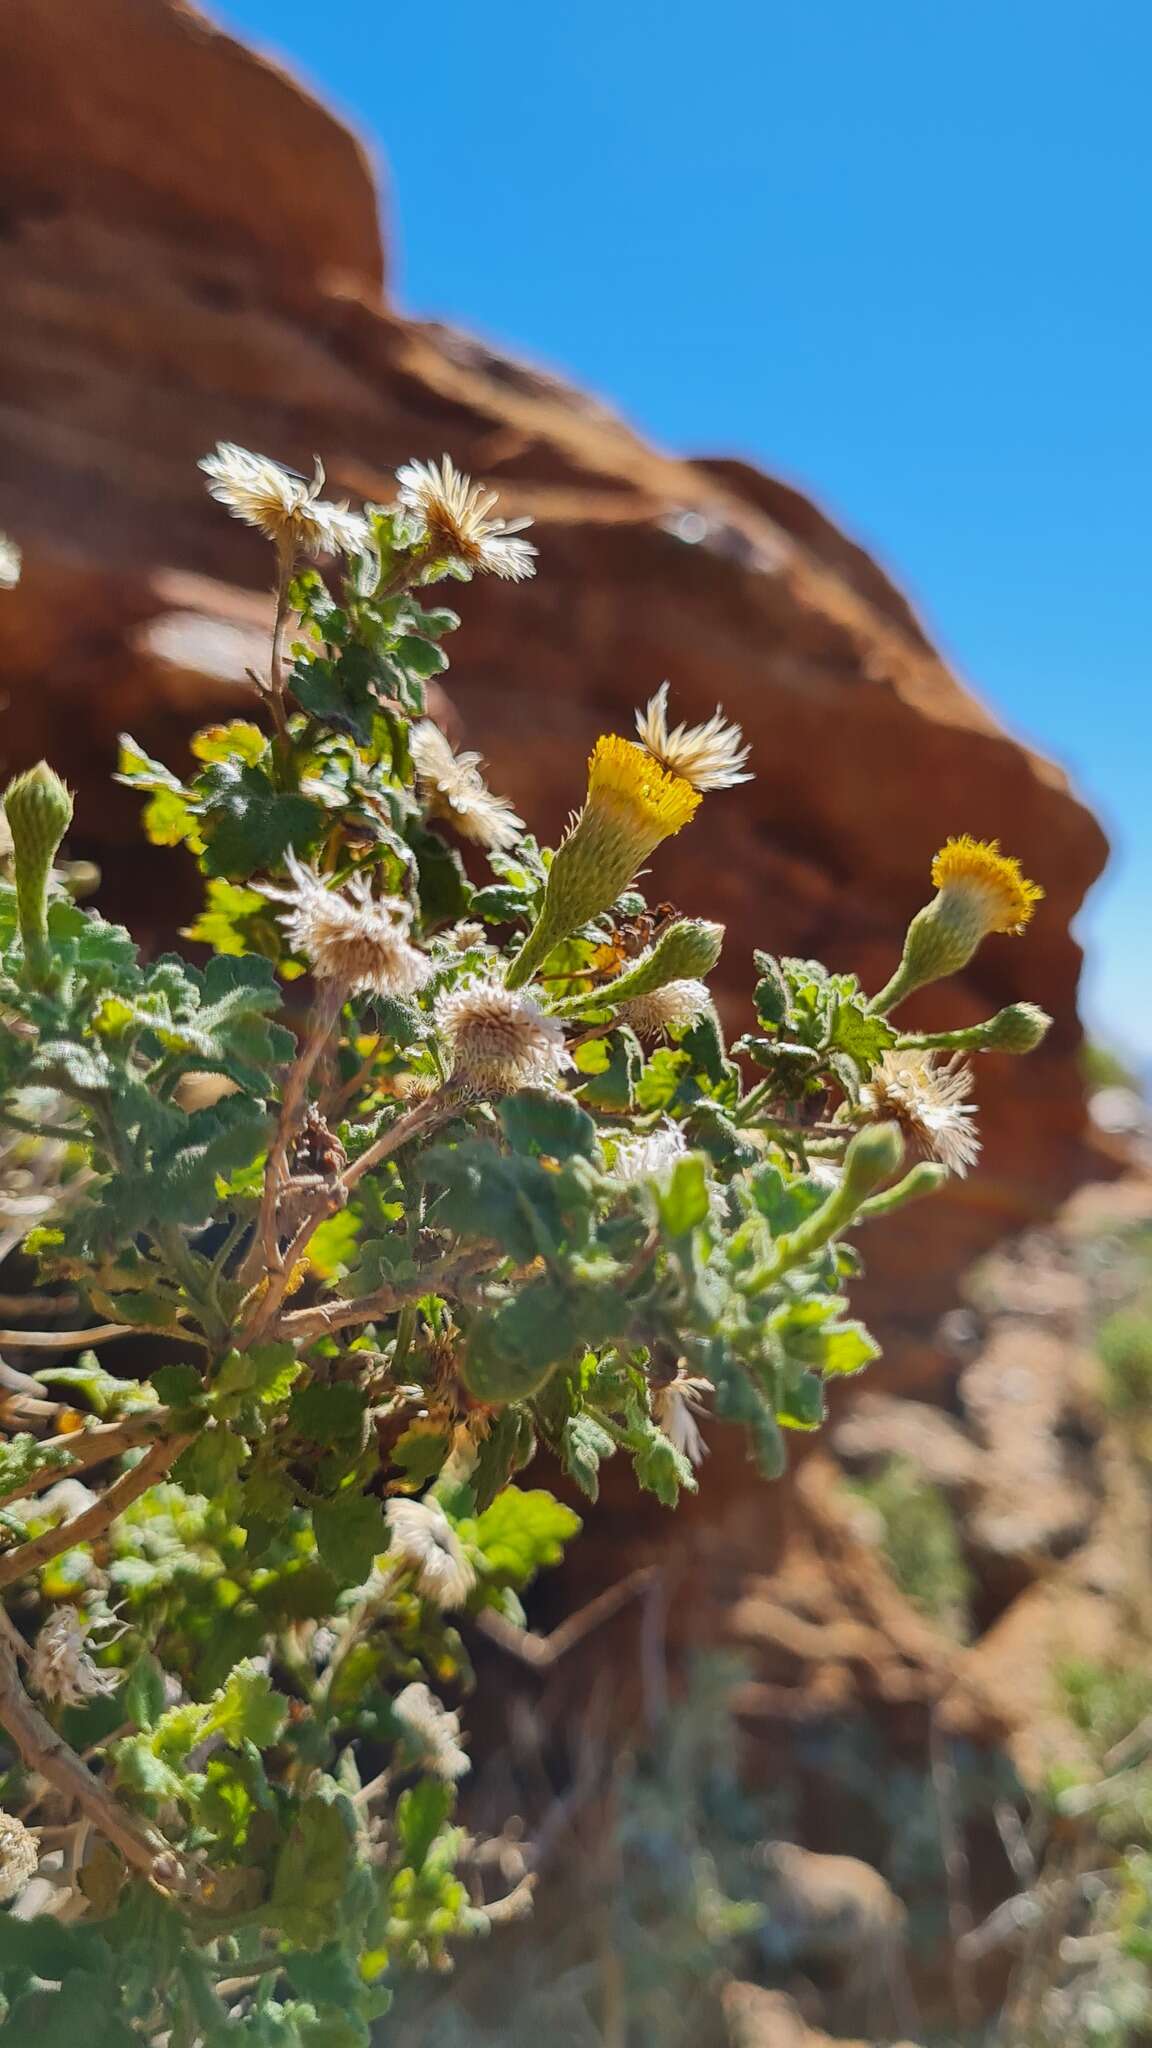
488, 1177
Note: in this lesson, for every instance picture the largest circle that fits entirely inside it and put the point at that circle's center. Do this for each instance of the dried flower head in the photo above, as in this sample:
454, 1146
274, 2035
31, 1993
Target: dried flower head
348, 935
422, 1537
928, 1098
674, 1410
709, 756
454, 513
19, 1856
991, 885
653, 1152
434, 1733
286, 507
10, 561
498, 1039
456, 789
667, 1011
61, 1667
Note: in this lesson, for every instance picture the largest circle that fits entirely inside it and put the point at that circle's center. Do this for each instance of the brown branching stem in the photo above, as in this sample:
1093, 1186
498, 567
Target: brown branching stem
95, 1520
46, 1752
87, 1447
441, 1276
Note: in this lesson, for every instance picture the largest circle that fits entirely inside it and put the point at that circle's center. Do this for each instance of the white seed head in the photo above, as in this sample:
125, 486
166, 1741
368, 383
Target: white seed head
19, 1856
667, 1011
348, 935
288, 509
454, 513
422, 1537
499, 1038
10, 562
432, 1730
674, 1410
653, 1153
928, 1098
709, 756
61, 1668
457, 791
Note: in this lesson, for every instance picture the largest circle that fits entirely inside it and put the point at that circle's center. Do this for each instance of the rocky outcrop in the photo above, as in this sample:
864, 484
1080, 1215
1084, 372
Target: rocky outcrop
190, 252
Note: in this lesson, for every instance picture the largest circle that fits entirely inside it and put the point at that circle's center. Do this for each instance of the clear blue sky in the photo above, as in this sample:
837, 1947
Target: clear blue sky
898, 253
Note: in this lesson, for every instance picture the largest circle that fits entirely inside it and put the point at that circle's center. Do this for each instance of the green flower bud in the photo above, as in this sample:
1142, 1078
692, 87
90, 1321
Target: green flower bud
39, 811
687, 951
1020, 1028
872, 1157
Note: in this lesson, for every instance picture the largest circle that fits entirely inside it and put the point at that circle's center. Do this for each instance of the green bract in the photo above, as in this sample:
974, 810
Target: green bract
350, 1292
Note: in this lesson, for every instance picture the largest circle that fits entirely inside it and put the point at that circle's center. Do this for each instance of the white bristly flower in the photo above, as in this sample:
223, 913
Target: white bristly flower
422, 1537
10, 560
499, 1039
672, 1009
19, 1856
288, 509
929, 1099
453, 512
458, 792
675, 1408
652, 1153
60, 1667
709, 756
432, 1731
348, 935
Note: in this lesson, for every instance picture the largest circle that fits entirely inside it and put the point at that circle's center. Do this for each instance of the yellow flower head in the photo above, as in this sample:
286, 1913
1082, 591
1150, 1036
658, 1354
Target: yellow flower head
624, 778
632, 805
977, 868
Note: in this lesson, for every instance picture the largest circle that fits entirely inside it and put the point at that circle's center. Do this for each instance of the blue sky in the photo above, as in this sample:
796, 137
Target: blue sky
899, 254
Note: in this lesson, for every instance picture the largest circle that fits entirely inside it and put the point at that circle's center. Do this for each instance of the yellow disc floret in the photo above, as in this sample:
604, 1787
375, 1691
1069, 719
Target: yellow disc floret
978, 866
619, 772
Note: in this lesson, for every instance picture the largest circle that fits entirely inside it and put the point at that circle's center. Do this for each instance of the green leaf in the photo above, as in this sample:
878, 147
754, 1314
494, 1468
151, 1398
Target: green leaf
349, 1534
249, 825
521, 1532
862, 1036
144, 1695
237, 740
265, 1374
420, 1814
848, 1348
328, 1414
230, 916
246, 1709
540, 1123
800, 1404
423, 657
313, 1868
660, 1468
46, 1948
445, 891
327, 1975
88, 1377
682, 1202
584, 1444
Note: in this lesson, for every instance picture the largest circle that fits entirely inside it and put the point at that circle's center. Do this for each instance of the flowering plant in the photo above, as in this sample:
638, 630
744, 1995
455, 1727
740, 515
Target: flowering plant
415, 1174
